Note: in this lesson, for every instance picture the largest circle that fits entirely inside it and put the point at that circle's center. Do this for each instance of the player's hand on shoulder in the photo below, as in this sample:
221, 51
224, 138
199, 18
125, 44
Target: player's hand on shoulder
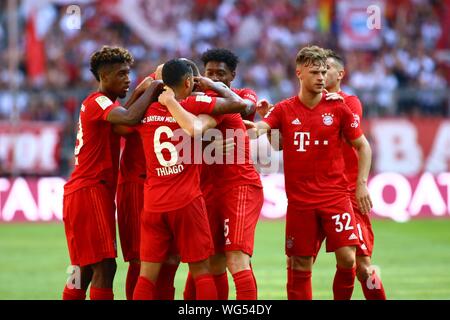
158, 72
166, 96
203, 83
156, 88
333, 96
249, 124
263, 107
144, 85
224, 147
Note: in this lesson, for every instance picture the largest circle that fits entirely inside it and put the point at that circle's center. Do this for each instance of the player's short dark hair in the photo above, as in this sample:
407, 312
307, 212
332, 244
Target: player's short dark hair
311, 55
193, 65
221, 55
107, 56
338, 58
174, 71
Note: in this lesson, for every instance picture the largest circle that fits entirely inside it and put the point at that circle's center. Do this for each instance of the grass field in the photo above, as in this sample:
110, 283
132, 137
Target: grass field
414, 259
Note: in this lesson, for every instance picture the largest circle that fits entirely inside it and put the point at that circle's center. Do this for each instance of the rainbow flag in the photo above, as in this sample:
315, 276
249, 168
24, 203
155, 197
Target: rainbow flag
325, 15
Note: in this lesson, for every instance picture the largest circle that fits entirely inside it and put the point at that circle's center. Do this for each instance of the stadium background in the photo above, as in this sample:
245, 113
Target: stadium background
399, 66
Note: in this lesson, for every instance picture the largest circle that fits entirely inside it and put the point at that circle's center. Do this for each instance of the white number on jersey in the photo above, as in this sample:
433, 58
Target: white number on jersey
339, 225
159, 147
79, 140
226, 227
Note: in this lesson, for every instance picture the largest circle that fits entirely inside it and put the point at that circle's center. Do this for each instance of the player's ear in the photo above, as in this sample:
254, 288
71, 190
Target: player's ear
233, 74
341, 74
298, 72
187, 82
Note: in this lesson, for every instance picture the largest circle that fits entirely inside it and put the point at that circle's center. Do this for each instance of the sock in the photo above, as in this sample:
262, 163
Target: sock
375, 290
73, 294
101, 293
189, 288
205, 287
132, 277
344, 282
289, 281
254, 279
144, 290
245, 285
299, 285
164, 286
221, 282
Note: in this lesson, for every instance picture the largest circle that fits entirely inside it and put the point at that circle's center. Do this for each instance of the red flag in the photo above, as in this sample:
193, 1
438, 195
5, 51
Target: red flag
35, 51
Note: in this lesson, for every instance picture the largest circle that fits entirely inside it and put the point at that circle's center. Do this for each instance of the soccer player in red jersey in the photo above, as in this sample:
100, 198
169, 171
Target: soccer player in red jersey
220, 66
233, 205
174, 209
371, 283
130, 201
316, 186
88, 205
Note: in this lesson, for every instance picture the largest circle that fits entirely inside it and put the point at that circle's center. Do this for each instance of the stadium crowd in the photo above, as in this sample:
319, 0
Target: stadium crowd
406, 76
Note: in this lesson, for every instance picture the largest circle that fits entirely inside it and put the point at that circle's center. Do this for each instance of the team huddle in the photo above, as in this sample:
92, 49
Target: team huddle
185, 191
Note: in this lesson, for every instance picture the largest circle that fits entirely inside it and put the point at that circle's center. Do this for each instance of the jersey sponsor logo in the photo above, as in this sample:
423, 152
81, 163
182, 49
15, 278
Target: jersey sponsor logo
202, 98
103, 101
301, 139
296, 121
327, 119
356, 121
353, 237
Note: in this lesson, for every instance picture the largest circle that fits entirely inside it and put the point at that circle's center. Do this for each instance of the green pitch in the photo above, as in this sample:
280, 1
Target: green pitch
414, 260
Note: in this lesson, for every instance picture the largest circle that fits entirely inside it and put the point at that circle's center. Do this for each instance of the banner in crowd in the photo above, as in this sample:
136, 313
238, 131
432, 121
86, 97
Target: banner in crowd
360, 23
394, 196
30, 148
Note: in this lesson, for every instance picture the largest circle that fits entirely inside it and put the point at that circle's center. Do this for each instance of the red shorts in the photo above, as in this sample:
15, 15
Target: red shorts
187, 227
90, 226
305, 229
365, 232
130, 201
233, 216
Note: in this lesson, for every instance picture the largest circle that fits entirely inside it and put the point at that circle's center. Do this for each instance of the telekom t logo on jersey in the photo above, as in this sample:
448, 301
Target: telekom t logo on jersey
302, 139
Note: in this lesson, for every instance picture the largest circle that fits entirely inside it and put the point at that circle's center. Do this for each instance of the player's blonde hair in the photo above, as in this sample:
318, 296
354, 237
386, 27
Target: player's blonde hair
312, 55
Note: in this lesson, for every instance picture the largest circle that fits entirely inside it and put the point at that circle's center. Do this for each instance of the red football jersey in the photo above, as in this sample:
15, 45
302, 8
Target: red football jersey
173, 179
132, 161
248, 94
240, 169
350, 154
97, 147
313, 149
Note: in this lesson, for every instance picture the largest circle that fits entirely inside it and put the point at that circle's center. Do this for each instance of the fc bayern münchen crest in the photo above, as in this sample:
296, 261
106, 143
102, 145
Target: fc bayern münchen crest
327, 119
290, 242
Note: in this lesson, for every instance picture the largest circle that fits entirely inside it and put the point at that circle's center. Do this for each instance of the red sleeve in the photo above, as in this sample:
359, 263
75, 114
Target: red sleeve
350, 124
248, 94
355, 105
201, 104
99, 107
152, 75
274, 116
